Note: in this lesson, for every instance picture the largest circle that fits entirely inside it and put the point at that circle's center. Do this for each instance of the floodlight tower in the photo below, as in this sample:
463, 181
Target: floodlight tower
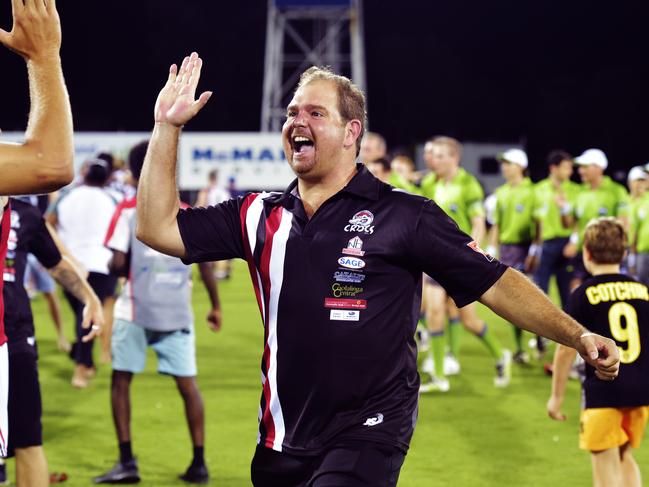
302, 33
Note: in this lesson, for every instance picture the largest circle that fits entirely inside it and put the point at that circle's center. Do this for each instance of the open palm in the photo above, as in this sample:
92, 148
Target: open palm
176, 104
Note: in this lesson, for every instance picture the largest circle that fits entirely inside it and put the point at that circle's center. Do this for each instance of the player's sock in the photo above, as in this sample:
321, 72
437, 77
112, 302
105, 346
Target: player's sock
199, 457
491, 342
437, 345
518, 338
125, 452
454, 336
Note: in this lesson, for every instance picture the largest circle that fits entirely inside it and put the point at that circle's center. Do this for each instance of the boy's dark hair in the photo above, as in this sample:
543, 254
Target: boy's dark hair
605, 240
556, 156
136, 158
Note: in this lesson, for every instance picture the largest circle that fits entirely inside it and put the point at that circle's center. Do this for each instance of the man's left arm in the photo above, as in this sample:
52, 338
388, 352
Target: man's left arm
207, 276
67, 275
519, 301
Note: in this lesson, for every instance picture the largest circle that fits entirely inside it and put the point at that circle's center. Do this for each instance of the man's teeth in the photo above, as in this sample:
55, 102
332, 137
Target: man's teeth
301, 139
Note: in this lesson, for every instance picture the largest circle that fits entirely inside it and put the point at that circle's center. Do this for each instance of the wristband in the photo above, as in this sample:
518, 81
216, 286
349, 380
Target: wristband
574, 238
566, 209
534, 250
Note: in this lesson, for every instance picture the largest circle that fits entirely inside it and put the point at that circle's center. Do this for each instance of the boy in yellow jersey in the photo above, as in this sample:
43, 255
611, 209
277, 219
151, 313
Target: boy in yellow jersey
614, 414
460, 195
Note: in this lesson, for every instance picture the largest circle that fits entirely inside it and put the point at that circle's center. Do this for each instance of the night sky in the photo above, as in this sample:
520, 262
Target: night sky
570, 74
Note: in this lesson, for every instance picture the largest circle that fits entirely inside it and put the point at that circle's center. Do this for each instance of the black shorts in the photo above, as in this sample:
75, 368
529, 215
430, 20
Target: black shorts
24, 406
352, 464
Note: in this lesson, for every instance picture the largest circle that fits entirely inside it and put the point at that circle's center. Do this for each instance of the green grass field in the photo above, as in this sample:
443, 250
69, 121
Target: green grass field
475, 435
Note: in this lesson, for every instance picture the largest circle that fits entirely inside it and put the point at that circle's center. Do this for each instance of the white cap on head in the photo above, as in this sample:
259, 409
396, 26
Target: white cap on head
592, 157
514, 156
637, 172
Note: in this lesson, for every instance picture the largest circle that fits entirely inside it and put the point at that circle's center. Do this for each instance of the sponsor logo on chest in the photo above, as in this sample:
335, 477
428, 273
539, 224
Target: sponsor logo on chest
361, 222
351, 262
344, 315
345, 303
354, 247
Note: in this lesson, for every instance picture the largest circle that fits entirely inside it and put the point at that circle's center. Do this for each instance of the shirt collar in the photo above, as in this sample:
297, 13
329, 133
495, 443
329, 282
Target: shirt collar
362, 184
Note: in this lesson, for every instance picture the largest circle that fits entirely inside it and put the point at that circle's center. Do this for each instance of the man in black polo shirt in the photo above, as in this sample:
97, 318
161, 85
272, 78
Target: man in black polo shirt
336, 262
28, 234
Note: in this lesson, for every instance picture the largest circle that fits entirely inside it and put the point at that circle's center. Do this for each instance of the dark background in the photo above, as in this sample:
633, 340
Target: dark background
571, 74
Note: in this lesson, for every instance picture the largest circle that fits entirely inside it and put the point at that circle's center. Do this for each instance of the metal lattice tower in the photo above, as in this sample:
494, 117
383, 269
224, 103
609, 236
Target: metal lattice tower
304, 33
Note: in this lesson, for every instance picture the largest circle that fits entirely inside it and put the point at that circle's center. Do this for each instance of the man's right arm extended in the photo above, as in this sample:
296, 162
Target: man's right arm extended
157, 200
44, 162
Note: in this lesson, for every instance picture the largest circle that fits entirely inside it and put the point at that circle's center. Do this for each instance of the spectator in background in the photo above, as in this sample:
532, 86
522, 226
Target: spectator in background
513, 227
161, 319
555, 196
29, 233
600, 196
638, 183
460, 195
639, 233
213, 195
373, 147
81, 217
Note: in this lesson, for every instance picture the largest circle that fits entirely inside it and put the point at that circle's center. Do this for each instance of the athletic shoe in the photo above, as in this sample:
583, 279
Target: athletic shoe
521, 358
503, 370
428, 365
451, 365
434, 384
196, 475
121, 473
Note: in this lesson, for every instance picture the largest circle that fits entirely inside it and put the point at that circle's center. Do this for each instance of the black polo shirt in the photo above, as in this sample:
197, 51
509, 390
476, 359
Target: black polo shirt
28, 234
616, 306
339, 296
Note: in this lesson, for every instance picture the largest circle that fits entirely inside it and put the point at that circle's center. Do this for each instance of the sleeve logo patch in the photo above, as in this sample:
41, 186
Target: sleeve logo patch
473, 245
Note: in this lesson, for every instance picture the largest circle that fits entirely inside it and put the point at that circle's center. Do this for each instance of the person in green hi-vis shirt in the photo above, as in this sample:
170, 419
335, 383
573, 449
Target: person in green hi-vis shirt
513, 227
552, 195
639, 233
381, 168
600, 196
460, 195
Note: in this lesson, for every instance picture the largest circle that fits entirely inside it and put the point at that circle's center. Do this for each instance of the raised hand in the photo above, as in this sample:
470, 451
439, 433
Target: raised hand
36, 31
176, 104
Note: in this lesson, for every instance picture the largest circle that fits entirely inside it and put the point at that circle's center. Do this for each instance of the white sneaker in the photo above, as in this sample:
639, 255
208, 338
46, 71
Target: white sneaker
428, 366
435, 384
503, 370
451, 365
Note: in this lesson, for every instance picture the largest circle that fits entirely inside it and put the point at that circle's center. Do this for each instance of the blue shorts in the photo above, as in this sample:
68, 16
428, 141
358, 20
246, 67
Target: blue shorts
37, 274
176, 350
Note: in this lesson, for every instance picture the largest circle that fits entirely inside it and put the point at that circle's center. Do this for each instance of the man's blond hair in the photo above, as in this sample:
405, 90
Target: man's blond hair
351, 100
449, 142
